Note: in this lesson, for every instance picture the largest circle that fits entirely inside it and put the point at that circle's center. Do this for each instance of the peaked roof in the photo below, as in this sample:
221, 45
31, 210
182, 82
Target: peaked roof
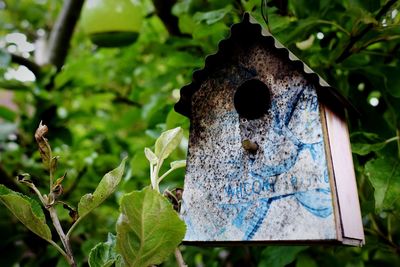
249, 27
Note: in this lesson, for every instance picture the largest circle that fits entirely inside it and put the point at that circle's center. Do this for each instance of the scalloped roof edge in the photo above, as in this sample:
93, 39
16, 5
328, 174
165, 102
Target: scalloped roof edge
327, 94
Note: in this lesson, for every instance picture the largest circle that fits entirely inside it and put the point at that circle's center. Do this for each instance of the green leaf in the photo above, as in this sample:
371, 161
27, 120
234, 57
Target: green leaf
212, 17
7, 114
103, 254
305, 261
27, 210
106, 187
279, 256
167, 142
364, 149
384, 175
148, 229
178, 164
151, 157
363, 143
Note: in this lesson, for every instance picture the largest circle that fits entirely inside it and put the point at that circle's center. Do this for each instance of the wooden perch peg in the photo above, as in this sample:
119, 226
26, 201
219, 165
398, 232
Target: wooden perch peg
250, 146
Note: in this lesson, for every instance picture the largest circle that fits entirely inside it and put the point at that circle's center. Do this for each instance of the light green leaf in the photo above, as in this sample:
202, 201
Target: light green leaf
306, 44
384, 175
279, 256
211, 17
103, 254
148, 229
27, 210
106, 187
178, 164
151, 157
167, 142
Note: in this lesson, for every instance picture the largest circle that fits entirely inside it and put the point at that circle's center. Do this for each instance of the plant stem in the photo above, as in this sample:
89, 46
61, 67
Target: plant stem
347, 51
59, 249
73, 227
63, 237
389, 228
179, 258
398, 141
334, 24
34, 188
165, 174
51, 178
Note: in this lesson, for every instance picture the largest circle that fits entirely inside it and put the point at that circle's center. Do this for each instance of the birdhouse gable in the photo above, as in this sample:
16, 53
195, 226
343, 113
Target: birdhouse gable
260, 165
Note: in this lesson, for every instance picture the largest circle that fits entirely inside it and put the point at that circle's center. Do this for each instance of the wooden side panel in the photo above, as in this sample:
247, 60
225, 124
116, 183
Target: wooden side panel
345, 179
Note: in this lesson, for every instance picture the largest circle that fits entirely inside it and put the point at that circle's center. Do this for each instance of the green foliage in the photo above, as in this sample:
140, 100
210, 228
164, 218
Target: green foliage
383, 174
106, 187
103, 254
148, 229
105, 104
167, 143
279, 256
27, 210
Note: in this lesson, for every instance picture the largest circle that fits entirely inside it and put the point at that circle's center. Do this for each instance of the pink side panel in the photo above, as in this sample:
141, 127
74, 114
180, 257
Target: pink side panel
344, 176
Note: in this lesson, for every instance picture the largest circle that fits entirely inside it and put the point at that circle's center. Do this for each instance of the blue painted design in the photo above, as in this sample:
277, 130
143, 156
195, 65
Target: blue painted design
250, 213
317, 201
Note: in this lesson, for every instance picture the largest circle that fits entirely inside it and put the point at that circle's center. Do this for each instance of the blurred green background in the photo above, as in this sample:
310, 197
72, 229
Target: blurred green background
102, 103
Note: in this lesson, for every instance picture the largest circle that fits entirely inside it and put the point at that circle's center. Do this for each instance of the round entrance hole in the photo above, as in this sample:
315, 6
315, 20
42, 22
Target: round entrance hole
252, 99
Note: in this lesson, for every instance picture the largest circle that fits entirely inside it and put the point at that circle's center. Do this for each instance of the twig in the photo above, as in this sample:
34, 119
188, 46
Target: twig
334, 24
63, 237
179, 258
32, 66
73, 227
59, 249
355, 38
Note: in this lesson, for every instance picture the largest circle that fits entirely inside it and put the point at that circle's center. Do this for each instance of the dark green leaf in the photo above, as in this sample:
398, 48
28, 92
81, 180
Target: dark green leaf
27, 210
7, 114
384, 175
392, 80
279, 256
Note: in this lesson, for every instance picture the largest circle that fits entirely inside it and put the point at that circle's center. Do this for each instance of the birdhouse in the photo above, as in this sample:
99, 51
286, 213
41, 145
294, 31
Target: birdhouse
269, 157
111, 23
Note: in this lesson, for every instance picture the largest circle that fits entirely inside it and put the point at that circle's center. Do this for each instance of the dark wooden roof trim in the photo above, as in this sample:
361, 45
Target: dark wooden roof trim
327, 94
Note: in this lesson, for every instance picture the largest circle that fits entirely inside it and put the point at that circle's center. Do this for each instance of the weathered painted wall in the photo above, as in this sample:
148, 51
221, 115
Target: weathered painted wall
280, 193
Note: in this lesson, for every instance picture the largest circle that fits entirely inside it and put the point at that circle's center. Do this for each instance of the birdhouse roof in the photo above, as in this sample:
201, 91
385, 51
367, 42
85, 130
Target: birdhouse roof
248, 30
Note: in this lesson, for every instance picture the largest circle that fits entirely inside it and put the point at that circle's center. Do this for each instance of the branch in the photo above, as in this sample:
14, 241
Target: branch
163, 10
62, 31
32, 66
179, 258
63, 237
355, 38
